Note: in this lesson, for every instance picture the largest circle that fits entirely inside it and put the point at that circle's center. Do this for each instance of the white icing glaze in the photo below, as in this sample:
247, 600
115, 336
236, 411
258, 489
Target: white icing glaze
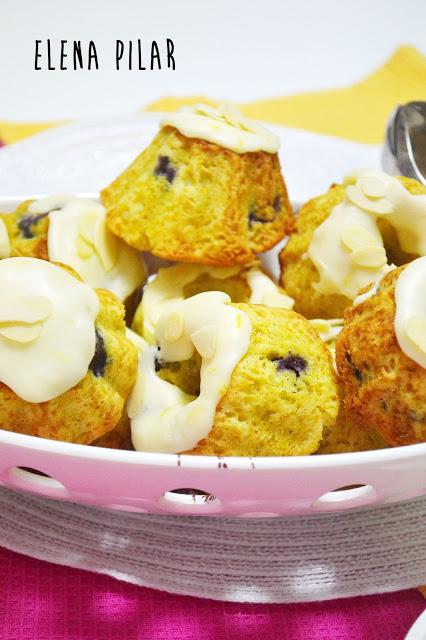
410, 315
167, 288
339, 272
78, 237
372, 290
140, 344
265, 291
386, 197
163, 418
224, 126
347, 248
47, 328
328, 329
5, 248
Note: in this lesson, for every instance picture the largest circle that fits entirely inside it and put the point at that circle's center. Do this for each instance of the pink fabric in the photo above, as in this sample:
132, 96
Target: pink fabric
42, 601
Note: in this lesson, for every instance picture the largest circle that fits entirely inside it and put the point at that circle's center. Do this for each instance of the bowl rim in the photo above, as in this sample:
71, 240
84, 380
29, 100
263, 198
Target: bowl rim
202, 462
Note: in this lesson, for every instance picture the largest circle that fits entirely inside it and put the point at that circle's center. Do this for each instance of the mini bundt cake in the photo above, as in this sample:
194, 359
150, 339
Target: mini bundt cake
349, 237
66, 365
381, 356
117, 438
258, 381
208, 189
72, 231
181, 281
346, 436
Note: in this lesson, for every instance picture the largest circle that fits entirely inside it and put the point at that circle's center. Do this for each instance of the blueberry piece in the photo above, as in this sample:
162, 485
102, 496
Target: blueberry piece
253, 218
26, 223
358, 374
294, 363
165, 169
99, 360
276, 205
157, 364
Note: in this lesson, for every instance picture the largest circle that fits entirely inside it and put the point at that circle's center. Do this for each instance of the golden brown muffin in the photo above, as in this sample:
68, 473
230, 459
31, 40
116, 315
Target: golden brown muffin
190, 200
299, 274
117, 438
27, 232
383, 386
282, 393
346, 436
93, 406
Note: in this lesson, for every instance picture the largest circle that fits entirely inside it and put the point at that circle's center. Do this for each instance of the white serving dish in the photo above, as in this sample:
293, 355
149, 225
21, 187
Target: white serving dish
143, 482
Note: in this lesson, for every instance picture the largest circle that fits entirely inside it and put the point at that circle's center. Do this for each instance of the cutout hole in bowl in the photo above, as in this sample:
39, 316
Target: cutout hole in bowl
348, 496
27, 477
184, 497
347, 487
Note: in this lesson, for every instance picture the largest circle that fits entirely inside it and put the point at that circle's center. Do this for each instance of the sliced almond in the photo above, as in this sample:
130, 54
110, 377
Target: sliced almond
372, 186
207, 110
204, 341
28, 309
84, 249
415, 328
380, 206
321, 325
221, 273
106, 244
232, 115
87, 223
369, 257
174, 326
356, 237
279, 300
21, 332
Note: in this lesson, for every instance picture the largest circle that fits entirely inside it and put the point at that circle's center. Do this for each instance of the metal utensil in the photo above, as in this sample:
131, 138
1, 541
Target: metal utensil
404, 151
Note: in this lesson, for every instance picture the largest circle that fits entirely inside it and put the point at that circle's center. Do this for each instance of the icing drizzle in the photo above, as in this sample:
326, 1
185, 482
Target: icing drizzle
225, 126
167, 288
163, 418
78, 237
347, 248
47, 328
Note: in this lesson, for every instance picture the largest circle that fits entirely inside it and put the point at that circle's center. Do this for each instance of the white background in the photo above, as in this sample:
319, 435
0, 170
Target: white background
230, 49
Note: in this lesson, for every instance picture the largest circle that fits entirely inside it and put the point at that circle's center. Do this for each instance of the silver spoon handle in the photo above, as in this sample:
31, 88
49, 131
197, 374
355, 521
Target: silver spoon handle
404, 150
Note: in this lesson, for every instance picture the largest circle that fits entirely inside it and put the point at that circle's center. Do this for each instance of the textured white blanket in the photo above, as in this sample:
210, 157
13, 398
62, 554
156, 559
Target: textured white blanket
285, 559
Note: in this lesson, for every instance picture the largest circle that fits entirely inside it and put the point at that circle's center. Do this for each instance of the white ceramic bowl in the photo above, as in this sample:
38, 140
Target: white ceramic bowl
85, 156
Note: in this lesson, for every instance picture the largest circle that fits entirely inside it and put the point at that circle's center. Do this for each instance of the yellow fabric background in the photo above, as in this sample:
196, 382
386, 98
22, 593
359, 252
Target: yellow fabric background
358, 112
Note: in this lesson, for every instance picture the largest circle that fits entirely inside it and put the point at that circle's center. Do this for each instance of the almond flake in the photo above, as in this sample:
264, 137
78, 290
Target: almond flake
84, 249
355, 237
372, 187
174, 326
106, 244
28, 309
279, 300
359, 199
87, 224
369, 257
21, 332
204, 341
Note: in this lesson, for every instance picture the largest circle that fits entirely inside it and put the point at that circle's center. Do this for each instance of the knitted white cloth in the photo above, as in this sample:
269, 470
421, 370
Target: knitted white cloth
284, 559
